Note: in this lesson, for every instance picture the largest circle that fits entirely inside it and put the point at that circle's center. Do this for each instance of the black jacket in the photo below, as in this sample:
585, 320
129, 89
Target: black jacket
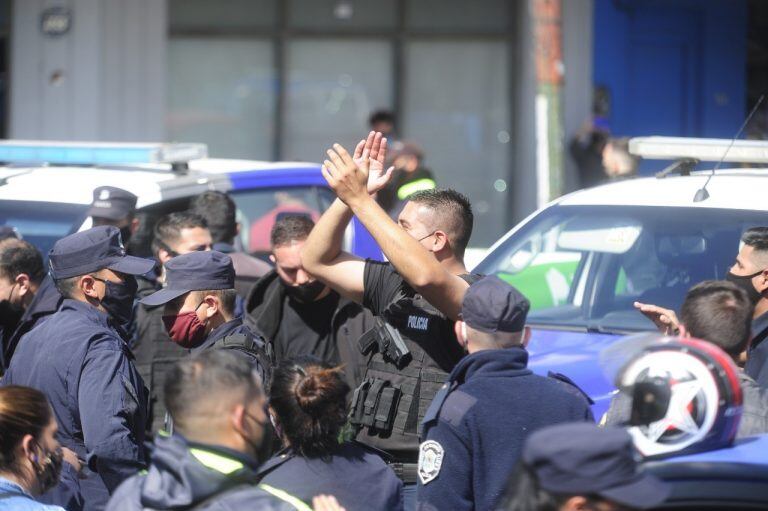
264, 313
154, 351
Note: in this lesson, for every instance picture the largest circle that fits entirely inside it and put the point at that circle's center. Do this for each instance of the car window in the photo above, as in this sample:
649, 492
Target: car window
258, 210
42, 223
585, 266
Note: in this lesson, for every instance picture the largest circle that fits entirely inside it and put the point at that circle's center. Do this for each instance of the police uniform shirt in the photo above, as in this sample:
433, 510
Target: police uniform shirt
383, 286
354, 474
476, 428
84, 367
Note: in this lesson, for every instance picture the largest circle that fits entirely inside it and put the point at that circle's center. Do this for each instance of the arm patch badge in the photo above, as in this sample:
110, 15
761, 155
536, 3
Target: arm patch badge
430, 460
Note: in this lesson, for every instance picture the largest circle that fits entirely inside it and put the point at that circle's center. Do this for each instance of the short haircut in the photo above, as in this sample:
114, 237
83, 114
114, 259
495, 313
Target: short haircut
289, 229
197, 387
757, 238
227, 297
719, 312
381, 116
168, 228
67, 286
453, 214
19, 256
220, 212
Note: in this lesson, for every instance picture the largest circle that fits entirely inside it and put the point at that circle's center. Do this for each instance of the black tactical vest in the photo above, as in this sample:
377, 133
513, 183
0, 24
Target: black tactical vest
393, 398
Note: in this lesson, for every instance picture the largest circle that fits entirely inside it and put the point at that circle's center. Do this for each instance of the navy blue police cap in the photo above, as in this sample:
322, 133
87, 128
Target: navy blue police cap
112, 203
195, 271
491, 305
92, 250
581, 458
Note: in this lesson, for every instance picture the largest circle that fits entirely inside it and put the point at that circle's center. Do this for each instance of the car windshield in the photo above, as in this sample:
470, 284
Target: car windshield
42, 223
258, 210
583, 267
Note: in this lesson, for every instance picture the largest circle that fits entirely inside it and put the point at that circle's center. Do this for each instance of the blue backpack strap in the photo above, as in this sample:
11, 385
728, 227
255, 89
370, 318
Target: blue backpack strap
572, 385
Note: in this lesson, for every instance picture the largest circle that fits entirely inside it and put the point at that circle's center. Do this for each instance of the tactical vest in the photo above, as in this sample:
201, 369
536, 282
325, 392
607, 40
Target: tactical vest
248, 345
393, 398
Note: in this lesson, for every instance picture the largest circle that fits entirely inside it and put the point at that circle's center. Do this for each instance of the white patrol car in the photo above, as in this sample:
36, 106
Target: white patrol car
46, 189
587, 257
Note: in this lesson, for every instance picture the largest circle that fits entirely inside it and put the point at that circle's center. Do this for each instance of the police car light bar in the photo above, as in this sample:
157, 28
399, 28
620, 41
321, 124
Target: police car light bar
702, 149
97, 153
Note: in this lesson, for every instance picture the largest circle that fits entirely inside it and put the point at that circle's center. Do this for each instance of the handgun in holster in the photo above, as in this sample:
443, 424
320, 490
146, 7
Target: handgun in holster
389, 341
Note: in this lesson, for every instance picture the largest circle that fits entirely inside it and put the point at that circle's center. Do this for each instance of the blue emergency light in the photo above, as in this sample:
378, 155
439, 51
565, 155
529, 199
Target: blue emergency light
98, 153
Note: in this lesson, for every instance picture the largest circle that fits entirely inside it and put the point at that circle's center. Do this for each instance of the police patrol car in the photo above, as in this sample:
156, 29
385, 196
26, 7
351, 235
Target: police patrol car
46, 188
584, 259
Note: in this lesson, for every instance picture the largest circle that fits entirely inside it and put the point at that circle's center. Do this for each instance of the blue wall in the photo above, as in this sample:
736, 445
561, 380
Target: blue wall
672, 67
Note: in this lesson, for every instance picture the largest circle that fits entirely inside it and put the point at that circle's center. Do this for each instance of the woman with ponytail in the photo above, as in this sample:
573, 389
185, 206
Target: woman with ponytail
30, 456
309, 409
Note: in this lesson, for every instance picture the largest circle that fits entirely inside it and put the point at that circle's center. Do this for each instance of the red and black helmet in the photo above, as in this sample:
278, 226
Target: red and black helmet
696, 391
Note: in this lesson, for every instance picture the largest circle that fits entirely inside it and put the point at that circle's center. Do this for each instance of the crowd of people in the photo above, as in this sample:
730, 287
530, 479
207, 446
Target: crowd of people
203, 378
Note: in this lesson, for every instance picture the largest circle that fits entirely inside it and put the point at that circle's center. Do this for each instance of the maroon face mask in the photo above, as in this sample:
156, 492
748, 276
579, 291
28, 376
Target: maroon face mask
185, 329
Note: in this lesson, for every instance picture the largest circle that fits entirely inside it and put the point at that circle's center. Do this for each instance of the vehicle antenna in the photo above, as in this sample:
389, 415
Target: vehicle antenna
702, 194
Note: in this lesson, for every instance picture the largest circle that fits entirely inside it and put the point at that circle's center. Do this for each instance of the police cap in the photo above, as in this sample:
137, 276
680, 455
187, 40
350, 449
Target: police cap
93, 250
195, 271
112, 203
491, 305
582, 459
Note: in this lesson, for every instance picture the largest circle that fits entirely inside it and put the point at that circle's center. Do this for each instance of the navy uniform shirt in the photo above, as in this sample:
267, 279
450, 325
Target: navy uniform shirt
475, 428
83, 365
354, 474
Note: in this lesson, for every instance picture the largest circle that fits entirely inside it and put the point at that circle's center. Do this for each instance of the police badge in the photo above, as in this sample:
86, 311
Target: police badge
430, 460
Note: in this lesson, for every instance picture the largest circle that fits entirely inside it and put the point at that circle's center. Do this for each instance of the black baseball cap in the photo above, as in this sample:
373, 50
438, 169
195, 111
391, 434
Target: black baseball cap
112, 203
491, 305
92, 250
581, 458
195, 271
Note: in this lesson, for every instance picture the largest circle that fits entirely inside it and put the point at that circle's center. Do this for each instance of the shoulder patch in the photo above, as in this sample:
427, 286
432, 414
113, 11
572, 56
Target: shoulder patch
456, 406
430, 460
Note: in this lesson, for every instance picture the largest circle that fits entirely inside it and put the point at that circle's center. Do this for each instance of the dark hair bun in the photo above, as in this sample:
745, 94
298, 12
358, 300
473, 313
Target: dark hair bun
317, 388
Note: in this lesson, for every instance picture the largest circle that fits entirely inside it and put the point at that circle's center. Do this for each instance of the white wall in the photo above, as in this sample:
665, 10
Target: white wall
112, 63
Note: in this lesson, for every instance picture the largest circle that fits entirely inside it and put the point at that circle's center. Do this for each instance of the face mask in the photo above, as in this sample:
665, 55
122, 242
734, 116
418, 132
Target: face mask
745, 283
48, 469
185, 329
10, 313
118, 299
305, 292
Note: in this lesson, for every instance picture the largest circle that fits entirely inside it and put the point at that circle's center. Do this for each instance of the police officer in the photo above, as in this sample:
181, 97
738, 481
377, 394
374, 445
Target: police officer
417, 297
476, 426
115, 206
80, 360
199, 299
579, 467
209, 463
174, 234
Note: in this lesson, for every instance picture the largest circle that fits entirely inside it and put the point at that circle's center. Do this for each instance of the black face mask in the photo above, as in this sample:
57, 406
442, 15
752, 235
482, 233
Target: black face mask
10, 313
745, 283
118, 299
48, 469
305, 292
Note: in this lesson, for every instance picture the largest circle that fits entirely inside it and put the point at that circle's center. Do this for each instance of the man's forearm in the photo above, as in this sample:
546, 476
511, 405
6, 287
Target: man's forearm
325, 241
409, 258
